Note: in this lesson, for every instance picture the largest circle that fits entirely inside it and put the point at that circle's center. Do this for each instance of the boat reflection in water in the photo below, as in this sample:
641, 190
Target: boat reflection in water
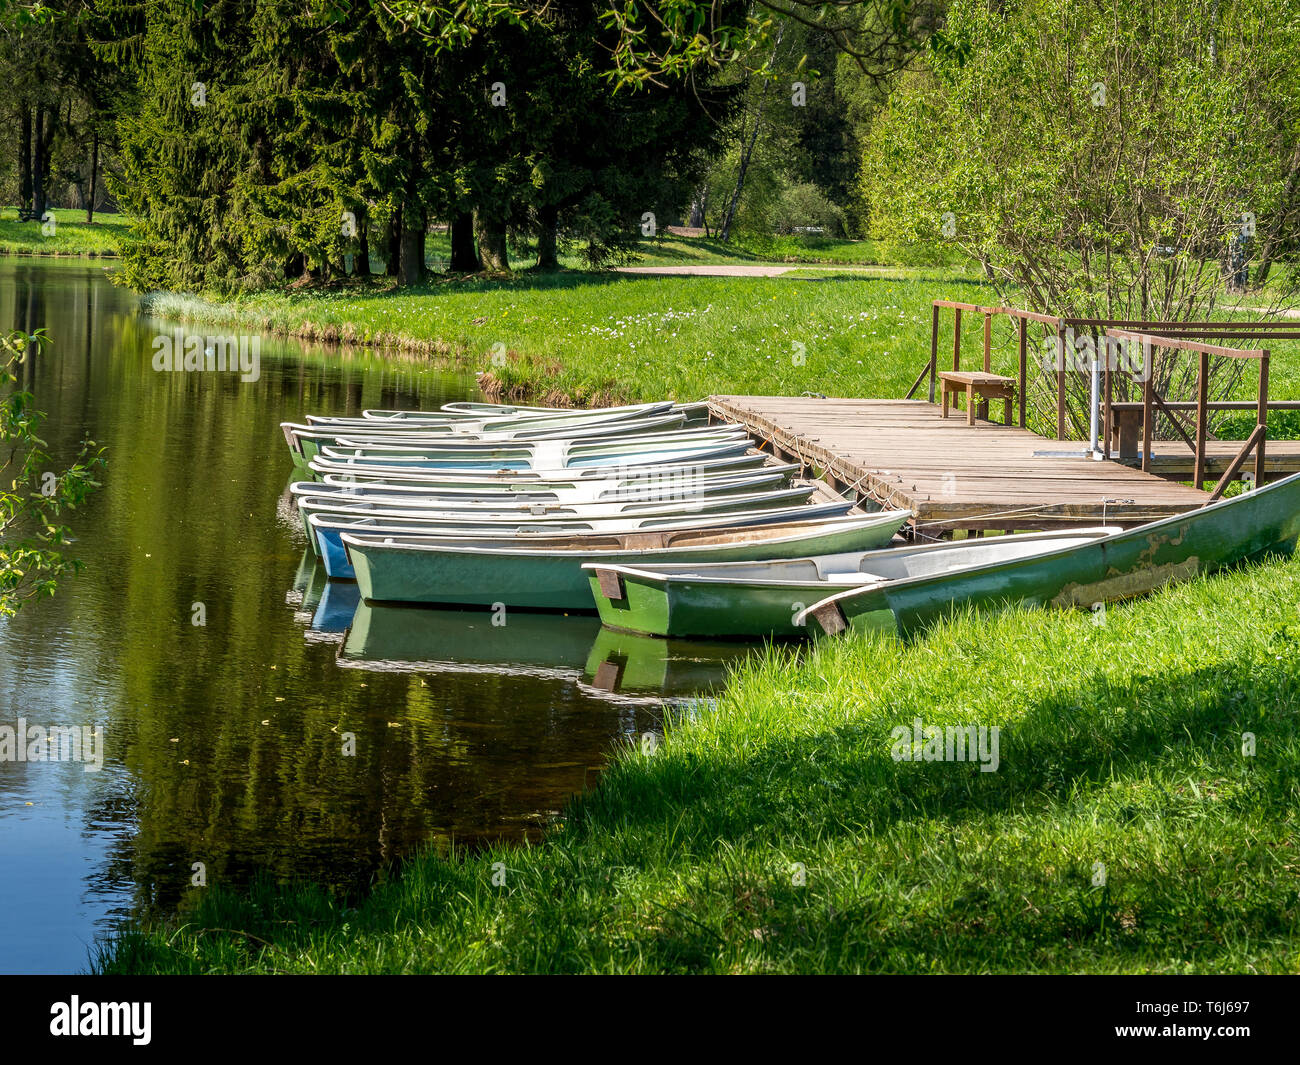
573, 647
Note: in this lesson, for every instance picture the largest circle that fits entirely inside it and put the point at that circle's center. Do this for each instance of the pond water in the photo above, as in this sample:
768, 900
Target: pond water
223, 741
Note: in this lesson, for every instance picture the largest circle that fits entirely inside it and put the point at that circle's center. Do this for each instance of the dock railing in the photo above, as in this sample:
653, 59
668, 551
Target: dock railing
1023, 318
1187, 336
1203, 405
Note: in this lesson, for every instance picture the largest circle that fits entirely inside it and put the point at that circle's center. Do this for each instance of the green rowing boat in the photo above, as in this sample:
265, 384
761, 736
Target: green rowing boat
762, 599
1124, 564
546, 573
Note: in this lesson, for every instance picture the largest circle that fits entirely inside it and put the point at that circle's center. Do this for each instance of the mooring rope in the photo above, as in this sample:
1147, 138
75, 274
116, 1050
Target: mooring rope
996, 514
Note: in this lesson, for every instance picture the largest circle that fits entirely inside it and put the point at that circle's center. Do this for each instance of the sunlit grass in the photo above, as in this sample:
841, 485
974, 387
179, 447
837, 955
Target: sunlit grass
1124, 830
590, 336
71, 235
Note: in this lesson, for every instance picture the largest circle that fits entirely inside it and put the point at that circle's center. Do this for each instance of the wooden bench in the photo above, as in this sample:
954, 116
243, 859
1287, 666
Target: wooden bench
975, 384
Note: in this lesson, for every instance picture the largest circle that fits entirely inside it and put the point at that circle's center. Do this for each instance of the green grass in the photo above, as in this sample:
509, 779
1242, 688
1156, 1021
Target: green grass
597, 337
71, 235
1121, 747
670, 250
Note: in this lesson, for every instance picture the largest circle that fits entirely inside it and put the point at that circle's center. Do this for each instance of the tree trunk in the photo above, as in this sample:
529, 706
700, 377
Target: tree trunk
361, 261
47, 149
464, 259
25, 157
94, 177
548, 257
413, 226
491, 233
393, 261
1283, 229
38, 163
725, 234
698, 206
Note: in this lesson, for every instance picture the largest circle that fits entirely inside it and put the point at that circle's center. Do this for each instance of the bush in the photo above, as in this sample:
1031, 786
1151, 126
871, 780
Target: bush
803, 207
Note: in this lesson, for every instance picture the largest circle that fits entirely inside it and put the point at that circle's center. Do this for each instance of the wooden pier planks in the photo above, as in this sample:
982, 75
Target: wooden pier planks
986, 476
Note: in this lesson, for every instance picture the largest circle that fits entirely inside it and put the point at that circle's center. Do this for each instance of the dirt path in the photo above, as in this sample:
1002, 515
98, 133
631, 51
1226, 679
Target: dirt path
755, 270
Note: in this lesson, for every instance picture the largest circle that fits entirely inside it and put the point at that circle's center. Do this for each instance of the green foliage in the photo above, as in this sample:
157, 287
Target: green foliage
264, 127
1102, 161
802, 207
35, 497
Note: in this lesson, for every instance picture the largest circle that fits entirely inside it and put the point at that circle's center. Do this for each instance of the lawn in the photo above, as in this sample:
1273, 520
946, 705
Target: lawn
71, 235
589, 338
1127, 827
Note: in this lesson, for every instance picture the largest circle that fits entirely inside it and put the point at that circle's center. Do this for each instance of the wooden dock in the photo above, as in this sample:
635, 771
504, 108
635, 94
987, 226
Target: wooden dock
988, 476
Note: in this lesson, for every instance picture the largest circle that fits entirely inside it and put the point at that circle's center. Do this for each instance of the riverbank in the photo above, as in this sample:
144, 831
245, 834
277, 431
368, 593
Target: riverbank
587, 339
69, 235
1124, 829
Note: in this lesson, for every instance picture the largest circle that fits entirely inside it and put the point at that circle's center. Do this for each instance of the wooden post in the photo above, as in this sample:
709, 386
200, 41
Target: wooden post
1148, 386
988, 359
934, 346
956, 338
1261, 417
1202, 398
1060, 381
1024, 367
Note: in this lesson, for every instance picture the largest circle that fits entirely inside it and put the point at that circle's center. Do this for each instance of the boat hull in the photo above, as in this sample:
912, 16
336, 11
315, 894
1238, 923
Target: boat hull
1131, 563
696, 609
542, 579
329, 532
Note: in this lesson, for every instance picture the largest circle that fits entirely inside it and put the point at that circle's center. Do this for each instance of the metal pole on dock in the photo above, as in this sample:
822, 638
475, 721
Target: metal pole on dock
1094, 407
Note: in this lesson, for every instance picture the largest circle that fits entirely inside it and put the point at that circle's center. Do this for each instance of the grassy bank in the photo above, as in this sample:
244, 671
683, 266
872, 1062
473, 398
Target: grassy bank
71, 235
593, 337
1124, 830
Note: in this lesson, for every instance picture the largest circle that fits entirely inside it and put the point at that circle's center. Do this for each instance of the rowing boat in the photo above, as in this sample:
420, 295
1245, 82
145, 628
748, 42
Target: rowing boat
667, 488
432, 511
684, 489
477, 413
556, 457
694, 411
326, 530
650, 430
528, 480
527, 421
379, 450
1123, 564
305, 441
761, 599
582, 516
547, 573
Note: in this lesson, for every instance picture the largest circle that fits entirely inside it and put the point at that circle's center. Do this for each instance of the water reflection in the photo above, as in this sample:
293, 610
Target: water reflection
573, 647
224, 739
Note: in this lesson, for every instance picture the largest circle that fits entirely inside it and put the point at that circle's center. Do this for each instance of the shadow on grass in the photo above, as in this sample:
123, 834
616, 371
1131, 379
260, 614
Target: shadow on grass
1083, 735
1122, 755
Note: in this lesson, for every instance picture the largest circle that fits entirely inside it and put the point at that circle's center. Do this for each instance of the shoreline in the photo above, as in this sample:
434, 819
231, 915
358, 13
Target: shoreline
778, 834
